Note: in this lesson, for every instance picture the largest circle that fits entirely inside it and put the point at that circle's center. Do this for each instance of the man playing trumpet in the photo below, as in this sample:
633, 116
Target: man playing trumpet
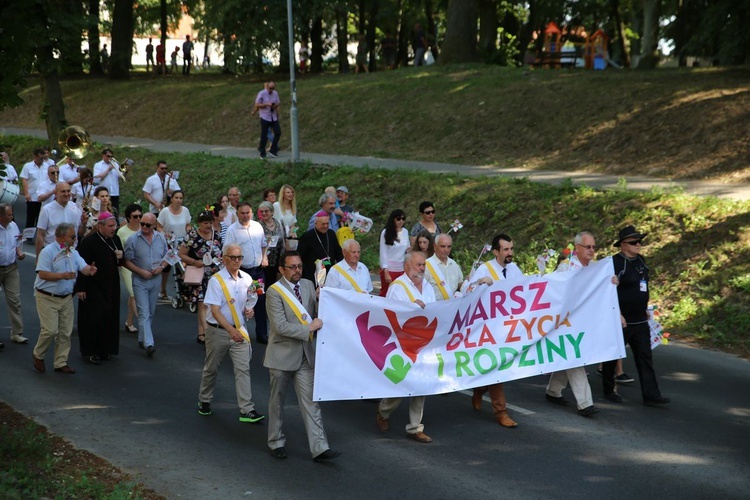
108, 173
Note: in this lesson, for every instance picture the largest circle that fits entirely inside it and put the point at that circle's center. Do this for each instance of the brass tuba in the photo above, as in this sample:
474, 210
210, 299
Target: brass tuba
74, 142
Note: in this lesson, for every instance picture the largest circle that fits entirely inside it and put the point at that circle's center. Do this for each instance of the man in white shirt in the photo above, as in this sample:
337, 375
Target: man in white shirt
10, 172
10, 253
234, 198
585, 248
45, 192
501, 267
249, 235
107, 171
30, 181
69, 171
442, 272
157, 185
409, 287
224, 335
350, 273
59, 211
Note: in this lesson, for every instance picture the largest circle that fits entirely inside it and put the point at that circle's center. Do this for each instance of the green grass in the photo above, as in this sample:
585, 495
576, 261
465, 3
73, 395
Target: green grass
675, 123
698, 248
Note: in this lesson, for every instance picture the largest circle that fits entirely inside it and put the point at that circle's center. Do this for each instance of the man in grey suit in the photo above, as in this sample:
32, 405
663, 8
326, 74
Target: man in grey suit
291, 355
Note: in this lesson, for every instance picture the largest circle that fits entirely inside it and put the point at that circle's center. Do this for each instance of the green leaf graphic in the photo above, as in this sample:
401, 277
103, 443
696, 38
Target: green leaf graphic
398, 370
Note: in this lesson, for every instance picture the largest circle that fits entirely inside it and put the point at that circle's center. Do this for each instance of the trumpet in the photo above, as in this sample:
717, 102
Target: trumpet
74, 142
124, 167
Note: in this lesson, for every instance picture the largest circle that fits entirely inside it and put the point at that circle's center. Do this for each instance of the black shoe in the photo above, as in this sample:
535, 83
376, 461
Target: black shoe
94, 360
589, 411
614, 397
272, 155
252, 416
204, 409
624, 378
656, 402
2, 346
561, 401
279, 453
150, 350
261, 340
327, 455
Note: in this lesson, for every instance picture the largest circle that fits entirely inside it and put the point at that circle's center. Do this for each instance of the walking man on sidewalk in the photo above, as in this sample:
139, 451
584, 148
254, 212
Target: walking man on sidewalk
10, 253
267, 102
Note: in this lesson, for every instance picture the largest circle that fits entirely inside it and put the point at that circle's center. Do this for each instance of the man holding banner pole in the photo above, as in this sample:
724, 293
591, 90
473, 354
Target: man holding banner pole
501, 267
409, 287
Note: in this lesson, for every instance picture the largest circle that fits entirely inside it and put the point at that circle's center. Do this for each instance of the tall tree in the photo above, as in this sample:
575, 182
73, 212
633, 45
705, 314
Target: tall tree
461, 33
122, 40
649, 57
488, 25
95, 64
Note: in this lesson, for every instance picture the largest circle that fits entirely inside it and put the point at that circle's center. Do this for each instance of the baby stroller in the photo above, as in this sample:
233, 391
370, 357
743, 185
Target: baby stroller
182, 291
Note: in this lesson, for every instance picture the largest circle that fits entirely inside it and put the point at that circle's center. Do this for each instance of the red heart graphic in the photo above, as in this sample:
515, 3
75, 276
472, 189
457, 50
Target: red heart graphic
414, 334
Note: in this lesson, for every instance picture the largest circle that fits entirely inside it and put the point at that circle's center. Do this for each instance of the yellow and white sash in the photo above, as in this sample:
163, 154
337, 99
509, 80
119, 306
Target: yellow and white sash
412, 298
232, 309
291, 300
439, 277
342, 270
494, 274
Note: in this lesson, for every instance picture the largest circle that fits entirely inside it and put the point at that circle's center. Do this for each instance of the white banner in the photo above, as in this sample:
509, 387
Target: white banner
371, 347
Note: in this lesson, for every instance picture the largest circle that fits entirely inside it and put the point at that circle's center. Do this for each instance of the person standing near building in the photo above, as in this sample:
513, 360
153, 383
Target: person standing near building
57, 266
10, 253
267, 101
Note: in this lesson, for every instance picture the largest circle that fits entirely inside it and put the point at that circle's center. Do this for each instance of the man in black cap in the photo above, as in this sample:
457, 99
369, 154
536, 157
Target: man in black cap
633, 294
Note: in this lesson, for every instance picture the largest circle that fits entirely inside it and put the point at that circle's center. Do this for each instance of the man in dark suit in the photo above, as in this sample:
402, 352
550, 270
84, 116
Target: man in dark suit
291, 304
320, 242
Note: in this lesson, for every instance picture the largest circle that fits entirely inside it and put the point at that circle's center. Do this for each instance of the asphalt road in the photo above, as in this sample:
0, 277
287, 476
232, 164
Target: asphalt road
140, 414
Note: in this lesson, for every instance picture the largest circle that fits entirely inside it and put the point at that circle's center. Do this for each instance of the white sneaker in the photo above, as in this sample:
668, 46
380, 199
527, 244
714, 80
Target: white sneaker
164, 298
19, 339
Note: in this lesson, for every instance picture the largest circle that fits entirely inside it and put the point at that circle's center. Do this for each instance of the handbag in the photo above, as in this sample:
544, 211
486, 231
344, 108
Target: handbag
193, 275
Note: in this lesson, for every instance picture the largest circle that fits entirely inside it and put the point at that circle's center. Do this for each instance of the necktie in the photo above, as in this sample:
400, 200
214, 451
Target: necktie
505, 275
296, 292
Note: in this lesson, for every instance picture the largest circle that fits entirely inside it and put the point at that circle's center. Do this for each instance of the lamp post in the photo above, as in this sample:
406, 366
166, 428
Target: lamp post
292, 85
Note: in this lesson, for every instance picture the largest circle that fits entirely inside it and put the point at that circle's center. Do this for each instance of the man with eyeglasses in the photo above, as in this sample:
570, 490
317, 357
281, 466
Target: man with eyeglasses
45, 192
145, 254
225, 299
107, 172
158, 184
585, 248
633, 295
133, 214
249, 235
59, 211
292, 310
57, 266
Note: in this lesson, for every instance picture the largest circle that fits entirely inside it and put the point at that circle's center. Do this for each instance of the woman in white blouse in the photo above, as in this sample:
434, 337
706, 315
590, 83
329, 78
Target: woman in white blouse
174, 219
394, 243
285, 211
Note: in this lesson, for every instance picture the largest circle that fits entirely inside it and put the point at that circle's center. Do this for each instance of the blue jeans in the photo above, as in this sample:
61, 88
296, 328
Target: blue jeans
264, 126
146, 293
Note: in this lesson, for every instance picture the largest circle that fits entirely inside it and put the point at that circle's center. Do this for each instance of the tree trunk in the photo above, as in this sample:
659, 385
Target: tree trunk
488, 25
71, 57
620, 33
371, 27
53, 108
122, 40
527, 32
681, 35
461, 33
95, 64
342, 39
316, 45
432, 34
402, 36
649, 56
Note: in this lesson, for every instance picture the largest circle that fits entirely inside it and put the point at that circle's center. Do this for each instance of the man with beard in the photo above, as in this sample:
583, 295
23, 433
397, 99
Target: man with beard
292, 309
319, 243
409, 287
501, 267
99, 295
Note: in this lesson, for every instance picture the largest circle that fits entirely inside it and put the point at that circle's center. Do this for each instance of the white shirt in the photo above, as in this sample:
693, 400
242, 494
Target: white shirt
54, 214
572, 264
392, 256
451, 273
397, 292
44, 187
512, 271
154, 186
174, 224
8, 243
30, 172
54, 259
79, 192
237, 290
111, 181
251, 239
360, 274
288, 218
68, 173
10, 174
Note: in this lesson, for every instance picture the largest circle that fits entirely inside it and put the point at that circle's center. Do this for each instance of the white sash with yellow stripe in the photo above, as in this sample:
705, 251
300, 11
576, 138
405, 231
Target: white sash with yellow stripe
439, 277
342, 270
291, 300
412, 298
492, 271
232, 309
